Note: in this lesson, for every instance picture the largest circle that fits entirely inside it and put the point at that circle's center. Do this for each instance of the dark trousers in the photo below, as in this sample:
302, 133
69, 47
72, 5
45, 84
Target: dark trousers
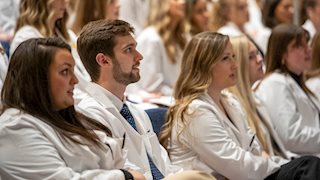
306, 167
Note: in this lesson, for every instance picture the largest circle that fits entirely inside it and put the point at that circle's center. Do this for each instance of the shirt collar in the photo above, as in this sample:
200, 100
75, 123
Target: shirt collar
113, 98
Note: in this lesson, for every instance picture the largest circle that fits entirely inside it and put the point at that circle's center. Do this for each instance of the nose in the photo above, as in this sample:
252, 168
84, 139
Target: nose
139, 56
74, 79
259, 58
234, 65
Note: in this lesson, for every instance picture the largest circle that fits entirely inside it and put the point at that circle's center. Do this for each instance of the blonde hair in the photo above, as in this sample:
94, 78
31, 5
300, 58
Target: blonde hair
201, 53
37, 13
219, 14
315, 68
243, 90
159, 17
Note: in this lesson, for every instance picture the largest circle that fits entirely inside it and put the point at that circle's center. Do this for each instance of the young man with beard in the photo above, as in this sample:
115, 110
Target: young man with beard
108, 52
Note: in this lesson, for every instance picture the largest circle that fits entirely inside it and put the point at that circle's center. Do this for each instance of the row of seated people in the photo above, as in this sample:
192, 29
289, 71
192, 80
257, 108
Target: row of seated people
102, 135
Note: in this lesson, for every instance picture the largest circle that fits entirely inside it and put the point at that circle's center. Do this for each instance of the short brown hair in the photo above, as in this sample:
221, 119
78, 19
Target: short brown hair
99, 37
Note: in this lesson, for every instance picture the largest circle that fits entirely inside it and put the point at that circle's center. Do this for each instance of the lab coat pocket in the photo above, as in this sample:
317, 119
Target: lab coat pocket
115, 151
151, 143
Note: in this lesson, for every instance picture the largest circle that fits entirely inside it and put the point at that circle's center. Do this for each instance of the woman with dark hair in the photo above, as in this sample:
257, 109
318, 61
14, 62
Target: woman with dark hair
274, 12
285, 93
42, 136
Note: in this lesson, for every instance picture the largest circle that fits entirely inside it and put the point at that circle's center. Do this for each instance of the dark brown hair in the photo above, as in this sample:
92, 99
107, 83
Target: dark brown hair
99, 37
26, 88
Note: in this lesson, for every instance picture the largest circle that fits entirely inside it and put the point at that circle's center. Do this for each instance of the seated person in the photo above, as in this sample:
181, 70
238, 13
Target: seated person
41, 135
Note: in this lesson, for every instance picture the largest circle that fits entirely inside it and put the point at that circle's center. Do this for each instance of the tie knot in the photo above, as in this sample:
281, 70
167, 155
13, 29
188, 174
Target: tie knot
125, 112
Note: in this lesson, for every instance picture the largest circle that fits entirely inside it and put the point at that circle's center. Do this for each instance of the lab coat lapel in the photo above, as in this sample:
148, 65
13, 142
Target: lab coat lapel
108, 105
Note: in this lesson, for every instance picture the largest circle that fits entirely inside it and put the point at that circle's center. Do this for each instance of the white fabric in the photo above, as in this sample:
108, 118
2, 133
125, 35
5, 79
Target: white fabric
212, 143
230, 29
135, 12
157, 73
9, 11
314, 85
31, 149
271, 129
294, 116
103, 106
255, 19
310, 28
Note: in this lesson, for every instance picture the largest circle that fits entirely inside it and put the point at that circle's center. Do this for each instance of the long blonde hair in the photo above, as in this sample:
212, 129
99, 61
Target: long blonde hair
201, 53
37, 13
159, 17
315, 68
243, 90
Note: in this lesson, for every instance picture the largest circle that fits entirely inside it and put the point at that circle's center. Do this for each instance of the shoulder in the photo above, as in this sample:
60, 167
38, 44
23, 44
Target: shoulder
27, 30
23, 34
88, 101
273, 79
201, 106
17, 122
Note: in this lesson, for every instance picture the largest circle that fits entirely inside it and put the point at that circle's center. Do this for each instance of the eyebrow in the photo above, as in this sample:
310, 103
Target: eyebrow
129, 45
67, 64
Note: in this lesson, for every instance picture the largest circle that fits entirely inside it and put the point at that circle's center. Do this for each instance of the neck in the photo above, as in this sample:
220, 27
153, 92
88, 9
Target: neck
174, 23
215, 94
113, 87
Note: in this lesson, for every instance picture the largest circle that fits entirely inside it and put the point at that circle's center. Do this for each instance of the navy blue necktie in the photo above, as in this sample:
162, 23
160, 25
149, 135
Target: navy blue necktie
125, 112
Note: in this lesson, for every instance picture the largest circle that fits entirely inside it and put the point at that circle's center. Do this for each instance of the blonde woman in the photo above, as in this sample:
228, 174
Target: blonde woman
293, 108
46, 18
161, 45
206, 130
249, 71
198, 16
229, 17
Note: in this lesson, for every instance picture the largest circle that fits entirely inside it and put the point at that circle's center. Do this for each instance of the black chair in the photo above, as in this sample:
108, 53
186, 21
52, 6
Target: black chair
157, 117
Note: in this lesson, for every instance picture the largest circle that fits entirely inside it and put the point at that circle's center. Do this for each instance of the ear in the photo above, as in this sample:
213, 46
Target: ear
103, 60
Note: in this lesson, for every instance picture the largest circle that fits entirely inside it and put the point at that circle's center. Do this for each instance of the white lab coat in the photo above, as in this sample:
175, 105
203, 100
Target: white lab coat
314, 85
9, 13
135, 12
32, 149
158, 74
265, 117
212, 143
308, 25
4, 62
294, 116
99, 106
230, 29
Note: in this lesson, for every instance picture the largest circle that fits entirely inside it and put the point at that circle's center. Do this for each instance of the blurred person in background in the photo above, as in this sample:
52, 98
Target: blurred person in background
198, 16
88, 10
161, 44
294, 109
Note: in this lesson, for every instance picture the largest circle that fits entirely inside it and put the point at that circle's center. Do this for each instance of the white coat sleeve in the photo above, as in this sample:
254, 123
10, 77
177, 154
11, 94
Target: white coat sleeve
151, 68
210, 140
288, 120
26, 153
24, 34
